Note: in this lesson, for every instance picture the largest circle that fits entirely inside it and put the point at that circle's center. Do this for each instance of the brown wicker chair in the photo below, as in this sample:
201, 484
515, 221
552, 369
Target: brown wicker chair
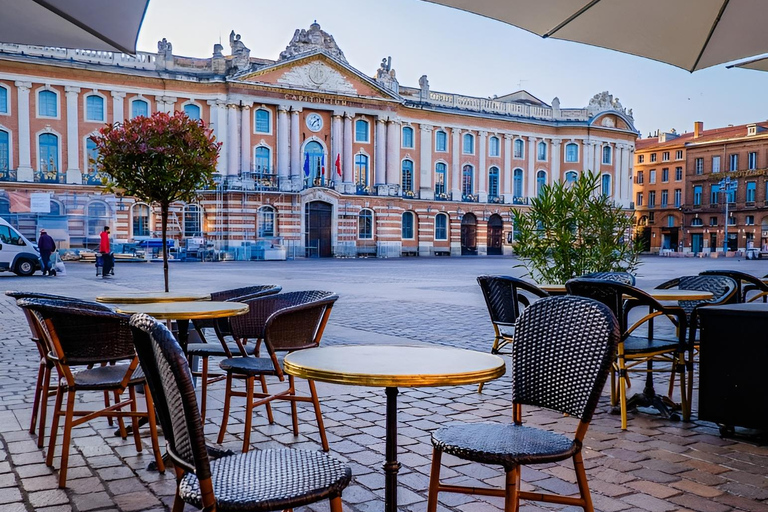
619, 277
261, 480
284, 322
745, 284
560, 360
42, 385
221, 328
79, 335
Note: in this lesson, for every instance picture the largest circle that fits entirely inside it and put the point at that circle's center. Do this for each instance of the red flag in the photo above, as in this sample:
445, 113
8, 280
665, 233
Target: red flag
338, 163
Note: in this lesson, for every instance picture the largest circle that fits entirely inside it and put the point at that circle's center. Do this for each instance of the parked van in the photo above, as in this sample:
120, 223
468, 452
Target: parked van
17, 253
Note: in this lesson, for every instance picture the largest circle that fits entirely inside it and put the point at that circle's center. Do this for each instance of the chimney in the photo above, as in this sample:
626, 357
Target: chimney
698, 127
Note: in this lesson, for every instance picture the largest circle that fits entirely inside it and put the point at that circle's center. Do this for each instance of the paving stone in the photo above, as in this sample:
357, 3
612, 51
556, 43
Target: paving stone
47, 498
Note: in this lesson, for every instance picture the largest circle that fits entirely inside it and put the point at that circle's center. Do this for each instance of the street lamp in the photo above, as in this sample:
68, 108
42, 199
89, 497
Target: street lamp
726, 185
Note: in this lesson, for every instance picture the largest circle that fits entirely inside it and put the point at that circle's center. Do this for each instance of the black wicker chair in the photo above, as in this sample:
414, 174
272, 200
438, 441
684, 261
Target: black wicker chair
560, 360
619, 277
80, 335
284, 322
42, 385
745, 284
634, 350
261, 480
221, 327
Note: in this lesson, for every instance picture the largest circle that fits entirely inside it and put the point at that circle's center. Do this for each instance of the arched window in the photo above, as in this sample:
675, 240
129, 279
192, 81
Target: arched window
571, 177
5, 156
607, 154
541, 151
467, 180
193, 216
407, 226
263, 122
572, 152
407, 179
469, 144
441, 172
3, 100
91, 177
49, 158
670, 221
407, 137
441, 141
493, 182
441, 226
361, 170
361, 131
192, 111
518, 149
605, 183
261, 160
98, 217
55, 209
47, 104
94, 108
694, 222
517, 183
314, 164
365, 224
140, 217
139, 108
494, 148
266, 222
541, 180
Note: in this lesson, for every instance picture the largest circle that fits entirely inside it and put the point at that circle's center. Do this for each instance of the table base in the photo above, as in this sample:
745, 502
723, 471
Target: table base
391, 466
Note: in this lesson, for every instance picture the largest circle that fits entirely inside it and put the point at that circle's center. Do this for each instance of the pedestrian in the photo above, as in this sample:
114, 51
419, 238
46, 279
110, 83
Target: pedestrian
46, 245
106, 253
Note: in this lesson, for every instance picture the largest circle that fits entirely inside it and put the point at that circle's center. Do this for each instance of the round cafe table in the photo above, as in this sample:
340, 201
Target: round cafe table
391, 367
149, 297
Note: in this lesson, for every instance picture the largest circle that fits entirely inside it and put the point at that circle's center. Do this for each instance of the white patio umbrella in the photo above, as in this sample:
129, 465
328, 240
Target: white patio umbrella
689, 34
111, 25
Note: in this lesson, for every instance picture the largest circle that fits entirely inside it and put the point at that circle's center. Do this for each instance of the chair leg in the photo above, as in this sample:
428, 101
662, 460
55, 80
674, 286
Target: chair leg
44, 407
623, 392
153, 430
225, 415
614, 394
54, 428
178, 503
38, 393
120, 422
249, 382
434, 480
294, 408
512, 490
318, 415
581, 479
268, 405
106, 405
203, 389
66, 438
336, 504
134, 419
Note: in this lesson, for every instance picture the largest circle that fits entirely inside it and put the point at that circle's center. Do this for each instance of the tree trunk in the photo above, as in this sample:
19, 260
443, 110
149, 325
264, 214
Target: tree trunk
164, 216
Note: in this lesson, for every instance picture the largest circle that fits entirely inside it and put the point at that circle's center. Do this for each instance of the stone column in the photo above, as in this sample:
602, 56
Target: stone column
24, 171
456, 164
393, 156
529, 183
118, 109
348, 161
507, 178
555, 160
625, 172
245, 139
337, 145
586, 155
482, 172
218, 123
380, 158
283, 146
297, 173
73, 135
618, 157
598, 159
426, 187
233, 150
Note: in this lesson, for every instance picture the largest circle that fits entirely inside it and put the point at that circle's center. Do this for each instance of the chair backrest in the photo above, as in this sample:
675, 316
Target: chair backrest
246, 292
298, 326
723, 289
619, 277
562, 354
504, 297
251, 325
170, 382
741, 278
83, 333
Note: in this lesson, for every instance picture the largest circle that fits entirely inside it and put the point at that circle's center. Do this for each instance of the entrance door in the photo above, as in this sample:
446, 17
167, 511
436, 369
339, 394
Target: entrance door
469, 234
495, 229
318, 224
733, 241
697, 240
713, 242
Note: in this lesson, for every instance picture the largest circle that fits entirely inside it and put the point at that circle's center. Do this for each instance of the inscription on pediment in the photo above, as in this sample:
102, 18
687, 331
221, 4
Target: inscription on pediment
319, 76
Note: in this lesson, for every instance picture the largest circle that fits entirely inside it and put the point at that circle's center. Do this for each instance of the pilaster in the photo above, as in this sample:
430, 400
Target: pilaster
393, 156
245, 138
507, 178
118, 108
426, 187
530, 176
73, 135
233, 151
456, 164
296, 171
24, 171
556, 158
482, 174
380, 158
283, 147
348, 160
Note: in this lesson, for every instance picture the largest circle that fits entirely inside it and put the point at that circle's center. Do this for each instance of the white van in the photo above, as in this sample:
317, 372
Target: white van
17, 253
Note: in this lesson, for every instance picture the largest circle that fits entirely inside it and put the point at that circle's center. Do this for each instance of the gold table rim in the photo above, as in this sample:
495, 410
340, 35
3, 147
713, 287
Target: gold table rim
232, 309
157, 297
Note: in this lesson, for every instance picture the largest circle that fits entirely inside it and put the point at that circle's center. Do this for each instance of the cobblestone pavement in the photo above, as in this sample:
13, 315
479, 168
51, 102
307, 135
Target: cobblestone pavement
656, 465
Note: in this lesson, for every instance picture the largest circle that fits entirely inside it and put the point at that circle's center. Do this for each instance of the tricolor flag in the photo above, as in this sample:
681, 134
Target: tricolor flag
306, 165
338, 164
322, 165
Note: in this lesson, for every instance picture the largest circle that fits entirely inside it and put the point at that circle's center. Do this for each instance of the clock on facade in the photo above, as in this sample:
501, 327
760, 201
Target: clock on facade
314, 122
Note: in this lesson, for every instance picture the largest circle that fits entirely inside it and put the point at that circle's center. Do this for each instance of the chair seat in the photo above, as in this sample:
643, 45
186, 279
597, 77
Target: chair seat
104, 377
215, 349
263, 480
248, 365
502, 443
641, 345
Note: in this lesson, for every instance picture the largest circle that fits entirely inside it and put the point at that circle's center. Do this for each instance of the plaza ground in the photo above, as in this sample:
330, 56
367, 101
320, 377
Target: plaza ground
656, 465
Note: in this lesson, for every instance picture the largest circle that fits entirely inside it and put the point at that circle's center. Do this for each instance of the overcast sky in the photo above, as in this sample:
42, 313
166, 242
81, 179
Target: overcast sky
467, 54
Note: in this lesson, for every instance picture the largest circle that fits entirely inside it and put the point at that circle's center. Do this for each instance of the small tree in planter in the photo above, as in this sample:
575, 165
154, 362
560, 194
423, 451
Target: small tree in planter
572, 229
158, 159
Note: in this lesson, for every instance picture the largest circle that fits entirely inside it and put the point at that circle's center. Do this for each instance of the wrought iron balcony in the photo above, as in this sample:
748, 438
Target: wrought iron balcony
363, 189
519, 200
442, 196
7, 175
92, 178
53, 176
469, 198
409, 194
496, 199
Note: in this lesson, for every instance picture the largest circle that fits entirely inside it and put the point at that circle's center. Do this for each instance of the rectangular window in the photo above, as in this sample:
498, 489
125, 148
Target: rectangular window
361, 130
731, 194
262, 121
697, 195
713, 221
94, 108
469, 144
731, 220
733, 163
3, 100
665, 175
407, 137
441, 227
541, 154
640, 177
494, 148
665, 156
749, 220
640, 159
678, 174
365, 225
679, 154
652, 176
699, 166
571, 153
752, 161
678, 197
714, 194
715, 164
441, 141
639, 201
652, 199
653, 157
664, 198
751, 189
518, 148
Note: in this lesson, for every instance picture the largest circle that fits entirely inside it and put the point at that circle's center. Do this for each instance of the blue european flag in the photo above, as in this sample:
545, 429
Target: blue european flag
306, 165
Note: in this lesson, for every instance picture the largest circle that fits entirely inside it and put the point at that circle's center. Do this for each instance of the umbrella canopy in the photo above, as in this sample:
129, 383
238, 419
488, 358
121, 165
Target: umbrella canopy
759, 64
689, 34
111, 25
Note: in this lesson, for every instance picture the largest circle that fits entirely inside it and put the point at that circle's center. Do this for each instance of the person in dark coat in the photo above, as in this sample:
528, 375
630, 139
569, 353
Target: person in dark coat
46, 245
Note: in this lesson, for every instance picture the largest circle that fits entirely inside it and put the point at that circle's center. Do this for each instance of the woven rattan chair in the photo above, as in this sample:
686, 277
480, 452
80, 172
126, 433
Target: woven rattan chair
284, 322
639, 353
261, 480
619, 277
560, 360
79, 335
221, 328
45, 367
746, 284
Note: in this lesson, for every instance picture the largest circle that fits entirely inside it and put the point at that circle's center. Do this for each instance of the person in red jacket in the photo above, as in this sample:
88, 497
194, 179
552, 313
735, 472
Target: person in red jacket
108, 262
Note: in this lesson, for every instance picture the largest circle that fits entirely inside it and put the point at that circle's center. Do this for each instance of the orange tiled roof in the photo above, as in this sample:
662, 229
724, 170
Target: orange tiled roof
715, 134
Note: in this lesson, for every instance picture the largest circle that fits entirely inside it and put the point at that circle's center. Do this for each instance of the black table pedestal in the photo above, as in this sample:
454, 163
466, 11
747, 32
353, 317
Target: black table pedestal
391, 466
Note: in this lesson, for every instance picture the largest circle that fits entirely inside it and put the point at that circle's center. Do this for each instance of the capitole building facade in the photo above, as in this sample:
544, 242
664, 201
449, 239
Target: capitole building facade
316, 156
